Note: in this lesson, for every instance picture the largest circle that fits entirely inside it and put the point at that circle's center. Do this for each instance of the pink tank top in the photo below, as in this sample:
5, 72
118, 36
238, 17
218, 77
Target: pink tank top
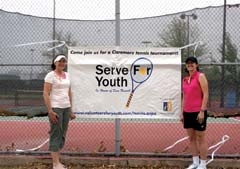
193, 95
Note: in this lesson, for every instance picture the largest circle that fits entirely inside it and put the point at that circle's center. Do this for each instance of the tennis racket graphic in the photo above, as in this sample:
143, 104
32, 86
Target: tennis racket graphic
141, 70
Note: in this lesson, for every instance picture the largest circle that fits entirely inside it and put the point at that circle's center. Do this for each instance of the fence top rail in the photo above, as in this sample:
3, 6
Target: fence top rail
24, 64
217, 64
210, 63
29, 91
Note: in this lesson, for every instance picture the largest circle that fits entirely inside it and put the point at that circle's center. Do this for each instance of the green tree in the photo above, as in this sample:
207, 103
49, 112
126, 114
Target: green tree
231, 72
176, 35
230, 56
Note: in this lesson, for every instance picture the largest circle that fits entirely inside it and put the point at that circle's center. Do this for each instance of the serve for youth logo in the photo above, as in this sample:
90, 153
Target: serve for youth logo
140, 71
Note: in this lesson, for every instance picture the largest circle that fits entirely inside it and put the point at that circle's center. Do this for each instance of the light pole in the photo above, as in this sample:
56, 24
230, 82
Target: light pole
54, 27
194, 17
223, 55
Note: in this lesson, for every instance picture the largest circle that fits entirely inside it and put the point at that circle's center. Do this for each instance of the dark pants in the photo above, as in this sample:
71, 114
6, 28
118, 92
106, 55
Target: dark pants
58, 131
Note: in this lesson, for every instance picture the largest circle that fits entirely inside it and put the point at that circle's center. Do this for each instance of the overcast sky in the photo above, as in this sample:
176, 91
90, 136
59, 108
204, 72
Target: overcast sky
105, 9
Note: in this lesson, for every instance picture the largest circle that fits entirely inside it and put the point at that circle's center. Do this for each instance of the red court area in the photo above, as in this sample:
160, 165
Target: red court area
135, 136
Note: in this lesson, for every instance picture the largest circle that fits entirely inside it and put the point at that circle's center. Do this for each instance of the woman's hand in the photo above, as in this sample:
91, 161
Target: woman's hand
200, 117
72, 116
53, 117
181, 117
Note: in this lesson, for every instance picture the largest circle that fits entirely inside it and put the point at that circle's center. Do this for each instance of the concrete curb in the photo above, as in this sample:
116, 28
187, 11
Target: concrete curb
17, 160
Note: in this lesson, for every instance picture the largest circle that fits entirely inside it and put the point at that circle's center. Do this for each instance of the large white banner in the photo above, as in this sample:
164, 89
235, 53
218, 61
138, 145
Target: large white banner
120, 82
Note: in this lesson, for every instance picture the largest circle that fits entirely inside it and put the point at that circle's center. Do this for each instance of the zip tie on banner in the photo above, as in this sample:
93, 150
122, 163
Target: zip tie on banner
34, 149
218, 145
62, 44
178, 141
192, 44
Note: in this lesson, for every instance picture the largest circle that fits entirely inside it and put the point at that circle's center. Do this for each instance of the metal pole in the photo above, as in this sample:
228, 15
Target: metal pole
188, 34
31, 71
223, 55
117, 27
54, 25
186, 16
117, 43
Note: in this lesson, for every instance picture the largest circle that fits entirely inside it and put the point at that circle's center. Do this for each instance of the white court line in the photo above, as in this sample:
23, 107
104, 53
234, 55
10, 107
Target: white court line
35, 148
217, 146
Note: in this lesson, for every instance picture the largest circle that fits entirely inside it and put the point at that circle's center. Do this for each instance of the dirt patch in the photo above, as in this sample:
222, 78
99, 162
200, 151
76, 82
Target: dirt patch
35, 162
112, 166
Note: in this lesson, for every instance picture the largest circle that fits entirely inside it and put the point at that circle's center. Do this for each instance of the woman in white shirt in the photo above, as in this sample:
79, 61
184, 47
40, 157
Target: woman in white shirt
58, 98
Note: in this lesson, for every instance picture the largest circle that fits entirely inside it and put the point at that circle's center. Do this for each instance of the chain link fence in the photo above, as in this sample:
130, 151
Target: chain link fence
25, 59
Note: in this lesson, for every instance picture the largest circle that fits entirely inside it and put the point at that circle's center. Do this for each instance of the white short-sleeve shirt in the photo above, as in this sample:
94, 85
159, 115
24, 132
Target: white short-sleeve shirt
59, 96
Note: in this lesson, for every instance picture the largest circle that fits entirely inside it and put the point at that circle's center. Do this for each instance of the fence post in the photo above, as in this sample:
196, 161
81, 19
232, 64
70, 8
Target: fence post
117, 38
16, 97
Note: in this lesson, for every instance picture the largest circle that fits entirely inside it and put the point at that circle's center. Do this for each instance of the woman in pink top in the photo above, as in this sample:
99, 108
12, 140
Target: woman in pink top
194, 112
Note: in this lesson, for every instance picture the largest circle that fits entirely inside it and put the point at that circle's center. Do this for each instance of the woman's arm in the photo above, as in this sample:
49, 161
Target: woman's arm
204, 86
46, 97
181, 113
72, 115
46, 92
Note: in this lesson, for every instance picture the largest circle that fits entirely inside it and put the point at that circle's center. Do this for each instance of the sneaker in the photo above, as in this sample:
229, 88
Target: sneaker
192, 166
59, 166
